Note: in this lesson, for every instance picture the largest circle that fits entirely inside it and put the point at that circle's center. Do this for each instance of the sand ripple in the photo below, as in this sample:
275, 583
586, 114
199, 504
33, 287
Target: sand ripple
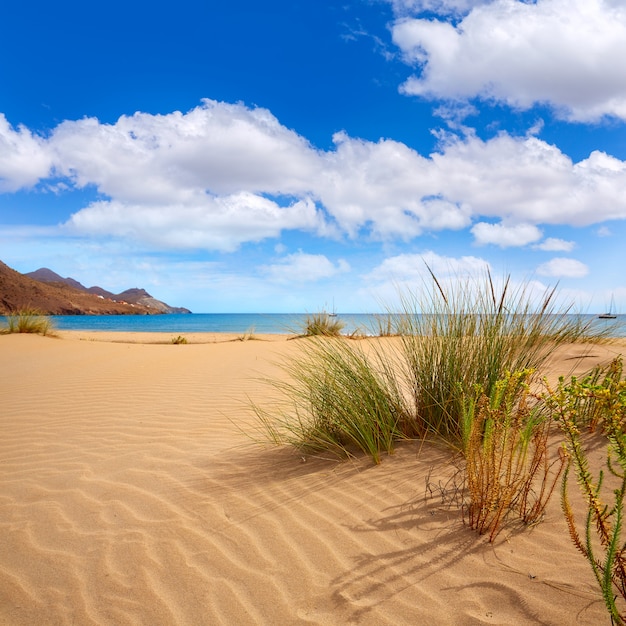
128, 497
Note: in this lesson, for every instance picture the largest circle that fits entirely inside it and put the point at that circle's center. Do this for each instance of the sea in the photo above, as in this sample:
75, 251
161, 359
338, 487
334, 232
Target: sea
259, 323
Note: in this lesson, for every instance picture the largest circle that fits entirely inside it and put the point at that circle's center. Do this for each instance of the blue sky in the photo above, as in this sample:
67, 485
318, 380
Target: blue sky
288, 156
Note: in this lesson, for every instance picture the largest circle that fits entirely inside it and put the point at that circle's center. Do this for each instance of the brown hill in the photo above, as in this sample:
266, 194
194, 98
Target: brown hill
134, 296
57, 298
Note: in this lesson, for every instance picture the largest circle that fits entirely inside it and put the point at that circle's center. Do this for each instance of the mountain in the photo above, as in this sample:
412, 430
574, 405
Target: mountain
44, 275
134, 296
48, 292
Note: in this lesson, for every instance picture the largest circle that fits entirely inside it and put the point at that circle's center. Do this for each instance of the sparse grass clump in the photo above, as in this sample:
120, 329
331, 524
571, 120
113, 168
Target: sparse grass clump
248, 335
451, 342
322, 324
339, 399
180, 340
28, 321
471, 334
385, 326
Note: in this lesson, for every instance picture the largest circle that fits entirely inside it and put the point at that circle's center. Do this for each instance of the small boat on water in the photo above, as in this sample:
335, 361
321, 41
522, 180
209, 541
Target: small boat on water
610, 314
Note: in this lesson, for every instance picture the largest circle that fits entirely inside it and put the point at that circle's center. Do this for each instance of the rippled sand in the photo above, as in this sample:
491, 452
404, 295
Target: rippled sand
128, 495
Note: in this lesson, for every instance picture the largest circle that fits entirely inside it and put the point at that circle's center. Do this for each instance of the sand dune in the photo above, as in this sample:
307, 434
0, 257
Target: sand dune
128, 496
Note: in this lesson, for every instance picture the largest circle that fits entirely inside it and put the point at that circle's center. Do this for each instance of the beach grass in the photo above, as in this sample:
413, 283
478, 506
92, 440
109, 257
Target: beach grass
28, 321
322, 324
338, 398
471, 333
450, 342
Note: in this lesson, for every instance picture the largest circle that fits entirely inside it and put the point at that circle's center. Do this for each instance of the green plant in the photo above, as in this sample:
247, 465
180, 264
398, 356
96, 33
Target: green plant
338, 398
451, 342
28, 321
322, 324
602, 542
179, 340
507, 464
471, 333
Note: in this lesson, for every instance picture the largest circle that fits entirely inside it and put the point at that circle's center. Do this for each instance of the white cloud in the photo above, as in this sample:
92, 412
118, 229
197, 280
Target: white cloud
604, 231
387, 185
528, 180
24, 158
441, 7
405, 268
563, 268
567, 53
302, 267
214, 223
552, 244
217, 147
222, 175
505, 236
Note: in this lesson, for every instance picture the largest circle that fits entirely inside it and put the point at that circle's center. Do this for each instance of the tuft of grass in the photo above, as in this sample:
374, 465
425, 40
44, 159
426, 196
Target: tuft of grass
451, 341
387, 326
248, 335
471, 333
180, 340
338, 399
322, 324
28, 321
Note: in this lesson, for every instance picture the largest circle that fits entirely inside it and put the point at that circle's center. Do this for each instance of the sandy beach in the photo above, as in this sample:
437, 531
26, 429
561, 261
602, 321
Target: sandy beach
129, 495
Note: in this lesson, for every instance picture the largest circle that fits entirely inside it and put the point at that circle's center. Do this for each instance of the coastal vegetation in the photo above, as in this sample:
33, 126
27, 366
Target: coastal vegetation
508, 466
28, 321
596, 405
450, 341
457, 367
322, 324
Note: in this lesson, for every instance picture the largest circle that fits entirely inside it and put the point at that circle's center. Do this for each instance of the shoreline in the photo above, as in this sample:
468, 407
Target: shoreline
161, 337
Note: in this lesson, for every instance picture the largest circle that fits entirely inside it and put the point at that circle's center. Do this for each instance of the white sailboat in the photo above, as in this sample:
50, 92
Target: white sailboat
610, 314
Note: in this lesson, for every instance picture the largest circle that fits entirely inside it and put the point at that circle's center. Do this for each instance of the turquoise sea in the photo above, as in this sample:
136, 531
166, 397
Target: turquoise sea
260, 323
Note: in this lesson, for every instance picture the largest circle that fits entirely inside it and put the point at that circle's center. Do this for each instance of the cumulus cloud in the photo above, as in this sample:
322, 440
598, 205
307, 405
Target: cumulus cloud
563, 268
217, 147
24, 157
528, 180
505, 236
405, 268
566, 53
214, 223
552, 244
388, 185
221, 175
302, 267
